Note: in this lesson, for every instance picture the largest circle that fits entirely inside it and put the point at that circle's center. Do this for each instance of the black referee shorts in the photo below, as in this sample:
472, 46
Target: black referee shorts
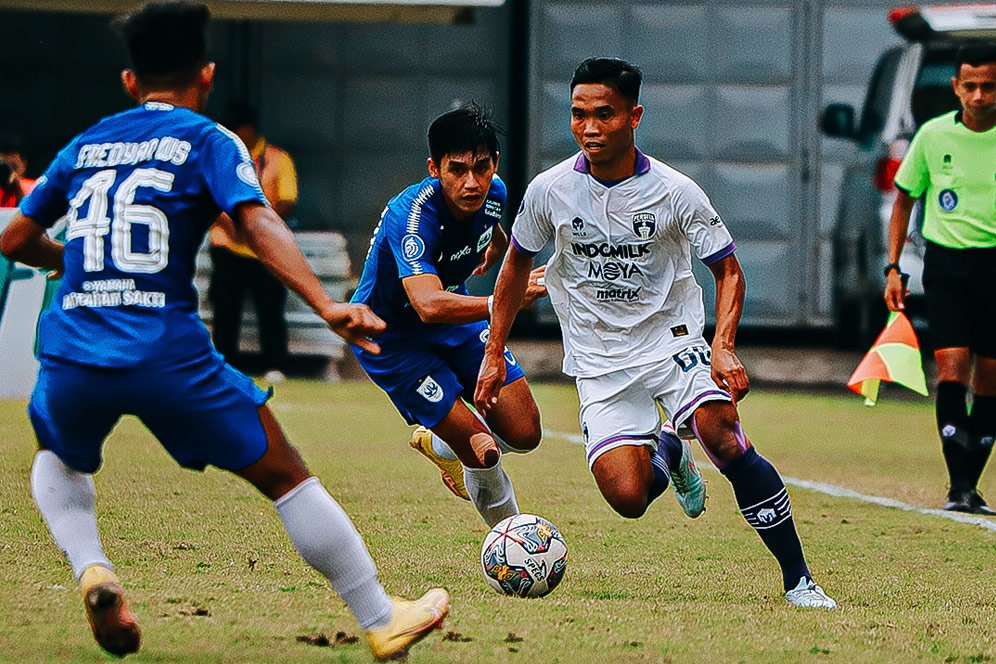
960, 290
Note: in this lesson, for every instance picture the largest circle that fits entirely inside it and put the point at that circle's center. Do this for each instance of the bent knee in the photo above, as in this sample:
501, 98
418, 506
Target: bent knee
484, 452
628, 502
526, 442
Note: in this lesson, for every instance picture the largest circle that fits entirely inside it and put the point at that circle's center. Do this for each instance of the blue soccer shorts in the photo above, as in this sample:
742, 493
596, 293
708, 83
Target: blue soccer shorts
203, 411
425, 374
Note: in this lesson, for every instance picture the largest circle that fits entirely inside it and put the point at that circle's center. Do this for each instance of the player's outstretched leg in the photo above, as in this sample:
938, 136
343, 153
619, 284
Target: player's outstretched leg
488, 486
325, 537
66, 500
762, 498
689, 486
433, 448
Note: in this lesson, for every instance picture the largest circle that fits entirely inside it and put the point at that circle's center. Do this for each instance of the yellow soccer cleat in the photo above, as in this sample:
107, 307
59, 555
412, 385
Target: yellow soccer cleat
410, 623
451, 469
113, 624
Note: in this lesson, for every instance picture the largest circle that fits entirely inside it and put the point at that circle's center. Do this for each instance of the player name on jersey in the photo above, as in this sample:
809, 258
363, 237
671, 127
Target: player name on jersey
104, 155
113, 293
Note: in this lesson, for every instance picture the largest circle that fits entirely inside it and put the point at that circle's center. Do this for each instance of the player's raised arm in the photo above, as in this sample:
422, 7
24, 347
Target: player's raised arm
727, 370
513, 280
24, 240
274, 244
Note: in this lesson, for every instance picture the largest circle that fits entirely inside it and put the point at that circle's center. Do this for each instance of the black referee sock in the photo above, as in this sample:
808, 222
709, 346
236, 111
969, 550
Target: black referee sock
956, 437
764, 502
982, 422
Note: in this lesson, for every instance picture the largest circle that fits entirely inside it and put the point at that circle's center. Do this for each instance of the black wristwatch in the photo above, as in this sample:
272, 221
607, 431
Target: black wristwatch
893, 266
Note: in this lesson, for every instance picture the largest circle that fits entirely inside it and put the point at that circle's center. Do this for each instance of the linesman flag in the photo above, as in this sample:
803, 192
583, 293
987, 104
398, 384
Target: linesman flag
894, 357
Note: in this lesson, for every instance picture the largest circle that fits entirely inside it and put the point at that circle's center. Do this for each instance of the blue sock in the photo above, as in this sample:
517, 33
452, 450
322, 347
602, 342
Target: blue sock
764, 502
667, 456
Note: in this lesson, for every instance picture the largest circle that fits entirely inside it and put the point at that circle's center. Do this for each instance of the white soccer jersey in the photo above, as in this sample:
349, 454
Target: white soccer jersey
620, 277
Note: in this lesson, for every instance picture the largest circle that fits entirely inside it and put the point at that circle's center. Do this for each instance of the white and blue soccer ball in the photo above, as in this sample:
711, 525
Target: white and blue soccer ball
524, 556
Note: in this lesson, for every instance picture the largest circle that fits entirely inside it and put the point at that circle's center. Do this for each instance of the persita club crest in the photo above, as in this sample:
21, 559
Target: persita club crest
644, 224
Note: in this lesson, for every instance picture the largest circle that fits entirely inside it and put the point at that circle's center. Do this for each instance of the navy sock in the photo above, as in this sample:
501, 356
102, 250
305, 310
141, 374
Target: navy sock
667, 456
982, 423
662, 477
953, 427
764, 502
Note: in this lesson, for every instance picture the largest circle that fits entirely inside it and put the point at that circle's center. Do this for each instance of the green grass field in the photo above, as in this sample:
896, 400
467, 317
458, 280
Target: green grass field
213, 578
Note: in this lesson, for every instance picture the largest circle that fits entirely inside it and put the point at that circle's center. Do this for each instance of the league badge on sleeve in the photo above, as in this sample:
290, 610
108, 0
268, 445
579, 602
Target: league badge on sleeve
412, 246
247, 173
644, 224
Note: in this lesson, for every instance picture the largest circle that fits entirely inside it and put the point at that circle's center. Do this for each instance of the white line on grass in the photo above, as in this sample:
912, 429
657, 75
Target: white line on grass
834, 490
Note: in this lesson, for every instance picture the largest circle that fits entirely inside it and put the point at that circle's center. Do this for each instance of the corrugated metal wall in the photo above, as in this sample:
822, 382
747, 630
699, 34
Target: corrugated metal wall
732, 94
733, 91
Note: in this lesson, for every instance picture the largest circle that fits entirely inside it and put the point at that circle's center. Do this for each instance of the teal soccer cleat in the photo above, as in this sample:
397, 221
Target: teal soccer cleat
689, 487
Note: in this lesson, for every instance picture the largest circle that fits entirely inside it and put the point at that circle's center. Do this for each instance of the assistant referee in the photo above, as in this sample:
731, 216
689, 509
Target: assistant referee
951, 163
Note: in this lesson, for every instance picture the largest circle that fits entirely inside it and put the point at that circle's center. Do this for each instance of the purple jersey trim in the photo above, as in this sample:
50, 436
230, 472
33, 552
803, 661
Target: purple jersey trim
521, 249
581, 165
679, 416
614, 439
721, 254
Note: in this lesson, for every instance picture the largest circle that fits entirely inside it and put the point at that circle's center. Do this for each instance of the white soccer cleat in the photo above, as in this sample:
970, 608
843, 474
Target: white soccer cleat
689, 487
808, 595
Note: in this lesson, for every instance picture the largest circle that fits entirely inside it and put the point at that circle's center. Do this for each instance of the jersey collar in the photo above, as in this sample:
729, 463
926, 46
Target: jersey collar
582, 165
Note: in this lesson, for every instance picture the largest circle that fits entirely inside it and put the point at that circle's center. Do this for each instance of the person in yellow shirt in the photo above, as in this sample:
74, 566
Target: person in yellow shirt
236, 269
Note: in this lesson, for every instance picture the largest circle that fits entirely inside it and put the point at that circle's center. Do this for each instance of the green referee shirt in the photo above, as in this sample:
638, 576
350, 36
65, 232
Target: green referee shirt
954, 168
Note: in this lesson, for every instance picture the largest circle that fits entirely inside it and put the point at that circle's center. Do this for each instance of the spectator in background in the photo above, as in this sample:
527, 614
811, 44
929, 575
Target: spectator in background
13, 185
236, 269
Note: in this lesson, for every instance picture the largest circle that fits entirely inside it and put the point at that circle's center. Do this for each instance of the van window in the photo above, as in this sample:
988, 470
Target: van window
876, 109
932, 93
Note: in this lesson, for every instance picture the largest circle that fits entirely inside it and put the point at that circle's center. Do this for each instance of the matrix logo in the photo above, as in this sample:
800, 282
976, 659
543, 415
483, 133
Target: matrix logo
618, 294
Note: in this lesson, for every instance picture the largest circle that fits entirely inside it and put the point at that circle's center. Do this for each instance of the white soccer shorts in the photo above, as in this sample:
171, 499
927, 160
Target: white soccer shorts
621, 408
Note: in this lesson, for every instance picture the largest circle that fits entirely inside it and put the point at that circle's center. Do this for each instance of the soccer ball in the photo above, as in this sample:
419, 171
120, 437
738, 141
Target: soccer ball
524, 556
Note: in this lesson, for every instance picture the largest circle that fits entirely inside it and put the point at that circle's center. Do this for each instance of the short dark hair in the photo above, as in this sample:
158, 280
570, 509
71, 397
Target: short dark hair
167, 42
975, 55
614, 72
11, 144
239, 114
469, 128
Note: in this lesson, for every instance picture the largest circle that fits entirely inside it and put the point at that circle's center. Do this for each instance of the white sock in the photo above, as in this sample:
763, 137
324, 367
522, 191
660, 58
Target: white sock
66, 499
491, 492
441, 449
502, 445
325, 537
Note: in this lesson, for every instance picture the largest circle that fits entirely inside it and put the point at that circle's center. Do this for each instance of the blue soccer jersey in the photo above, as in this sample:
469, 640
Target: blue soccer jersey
416, 235
138, 190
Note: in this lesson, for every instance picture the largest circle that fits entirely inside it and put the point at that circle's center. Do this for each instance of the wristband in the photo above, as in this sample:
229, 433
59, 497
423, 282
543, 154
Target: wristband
892, 266
491, 306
